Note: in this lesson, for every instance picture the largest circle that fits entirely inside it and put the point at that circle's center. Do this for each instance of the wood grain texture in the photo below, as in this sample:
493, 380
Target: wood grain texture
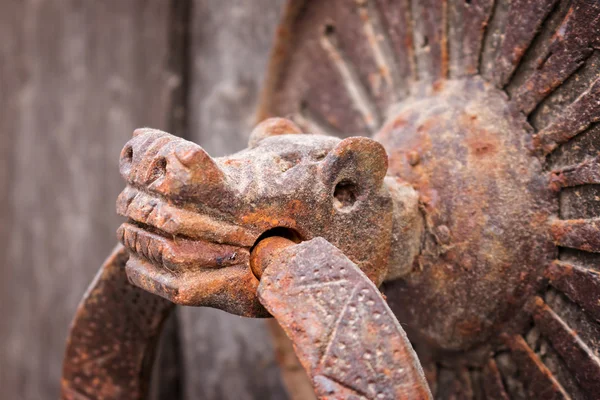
231, 44
225, 356
75, 79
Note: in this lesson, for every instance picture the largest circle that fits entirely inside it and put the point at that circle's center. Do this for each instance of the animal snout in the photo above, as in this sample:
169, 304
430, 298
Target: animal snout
168, 165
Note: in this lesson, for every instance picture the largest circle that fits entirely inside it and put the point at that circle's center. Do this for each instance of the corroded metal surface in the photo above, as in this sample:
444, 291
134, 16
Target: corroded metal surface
482, 225
487, 207
265, 251
533, 200
344, 333
113, 336
192, 219
577, 355
580, 284
538, 379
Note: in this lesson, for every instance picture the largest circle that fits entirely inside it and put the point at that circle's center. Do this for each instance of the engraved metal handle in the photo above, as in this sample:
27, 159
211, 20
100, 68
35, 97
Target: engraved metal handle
113, 337
343, 331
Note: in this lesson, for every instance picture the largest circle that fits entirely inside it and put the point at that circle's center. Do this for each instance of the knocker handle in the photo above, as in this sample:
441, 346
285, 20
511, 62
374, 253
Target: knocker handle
113, 337
343, 331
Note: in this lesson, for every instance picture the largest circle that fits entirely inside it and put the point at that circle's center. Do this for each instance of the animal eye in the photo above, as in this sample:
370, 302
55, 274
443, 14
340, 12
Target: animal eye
293, 158
320, 155
289, 160
345, 195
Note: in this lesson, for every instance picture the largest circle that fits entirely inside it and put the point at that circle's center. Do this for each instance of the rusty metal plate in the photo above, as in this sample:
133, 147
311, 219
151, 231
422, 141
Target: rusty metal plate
347, 68
482, 223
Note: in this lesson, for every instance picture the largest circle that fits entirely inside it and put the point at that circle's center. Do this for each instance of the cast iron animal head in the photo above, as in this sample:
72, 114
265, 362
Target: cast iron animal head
193, 220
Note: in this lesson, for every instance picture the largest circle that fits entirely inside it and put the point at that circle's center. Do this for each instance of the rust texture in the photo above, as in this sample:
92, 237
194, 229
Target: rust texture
475, 196
492, 382
467, 24
576, 354
344, 333
293, 374
487, 205
573, 41
539, 381
578, 117
113, 337
580, 284
587, 172
521, 101
581, 234
192, 219
526, 22
431, 50
264, 251
492, 95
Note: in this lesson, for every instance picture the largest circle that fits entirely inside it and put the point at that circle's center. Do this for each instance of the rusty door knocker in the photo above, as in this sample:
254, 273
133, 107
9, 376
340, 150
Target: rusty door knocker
457, 217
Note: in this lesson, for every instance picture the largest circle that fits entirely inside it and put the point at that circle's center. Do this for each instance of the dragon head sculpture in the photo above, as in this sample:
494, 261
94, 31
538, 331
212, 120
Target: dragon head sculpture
193, 220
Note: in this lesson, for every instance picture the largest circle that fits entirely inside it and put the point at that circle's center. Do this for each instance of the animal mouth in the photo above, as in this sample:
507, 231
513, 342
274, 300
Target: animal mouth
187, 257
177, 254
177, 239
183, 243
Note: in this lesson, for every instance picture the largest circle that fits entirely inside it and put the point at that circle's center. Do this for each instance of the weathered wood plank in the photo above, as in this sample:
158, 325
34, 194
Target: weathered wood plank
225, 356
231, 45
75, 79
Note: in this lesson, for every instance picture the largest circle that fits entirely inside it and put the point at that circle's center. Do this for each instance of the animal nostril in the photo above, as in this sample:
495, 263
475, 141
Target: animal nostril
128, 154
345, 195
159, 168
161, 165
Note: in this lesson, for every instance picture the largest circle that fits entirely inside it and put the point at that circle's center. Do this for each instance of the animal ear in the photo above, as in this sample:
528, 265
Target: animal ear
272, 127
357, 160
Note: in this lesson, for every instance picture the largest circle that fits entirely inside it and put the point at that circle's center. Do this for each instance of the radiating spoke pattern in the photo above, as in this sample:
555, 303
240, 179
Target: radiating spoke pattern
353, 62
